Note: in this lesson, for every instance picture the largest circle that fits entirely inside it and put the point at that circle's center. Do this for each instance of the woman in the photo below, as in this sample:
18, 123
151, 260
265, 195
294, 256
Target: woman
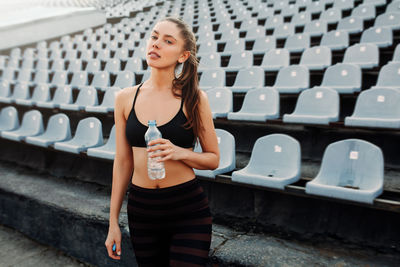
169, 219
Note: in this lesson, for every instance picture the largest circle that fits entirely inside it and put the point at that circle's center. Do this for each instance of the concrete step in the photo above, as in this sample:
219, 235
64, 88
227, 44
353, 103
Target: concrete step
72, 216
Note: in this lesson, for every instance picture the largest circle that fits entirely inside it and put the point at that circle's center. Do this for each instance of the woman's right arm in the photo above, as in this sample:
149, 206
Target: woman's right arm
122, 169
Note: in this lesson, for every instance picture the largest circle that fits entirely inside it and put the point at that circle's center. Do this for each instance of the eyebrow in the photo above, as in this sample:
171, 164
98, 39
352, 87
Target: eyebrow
167, 35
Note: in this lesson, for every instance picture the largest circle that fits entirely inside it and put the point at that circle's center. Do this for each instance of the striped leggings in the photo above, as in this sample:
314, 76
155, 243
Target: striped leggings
170, 226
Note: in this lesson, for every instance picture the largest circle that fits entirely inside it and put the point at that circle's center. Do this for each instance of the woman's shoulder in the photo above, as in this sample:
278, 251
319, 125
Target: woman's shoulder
126, 93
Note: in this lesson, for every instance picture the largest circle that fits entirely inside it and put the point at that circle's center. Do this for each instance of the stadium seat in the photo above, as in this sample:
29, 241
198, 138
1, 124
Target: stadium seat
331, 15
316, 28
79, 79
210, 61
389, 76
396, 54
227, 161
247, 24
301, 18
24, 75
21, 91
364, 55
315, 106
106, 151
380, 36
27, 63
113, 65
13, 63
394, 6
263, 44
58, 129
375, 2
389, 20
62, 95
292, 79
5, 91
260, 104
74, 65
283, 31
364, 11
297, 42
247, 79
335, 40
221, 102
8, 74
59, 78
134, 65
71, 55
275, 59
376, 108
122, 54
32, 124
342, 77
351, 169
315, 7
87, 97
255, 32
239, 60
351, 25
212, 78
275, 162
273, 22
231, 34
343, 4
88, 134
124, 79
8, 119
93, 65
108, 102
234, 46
316, 58
40, 93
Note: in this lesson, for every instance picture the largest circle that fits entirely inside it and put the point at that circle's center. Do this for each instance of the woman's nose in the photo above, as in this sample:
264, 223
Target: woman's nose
156, 44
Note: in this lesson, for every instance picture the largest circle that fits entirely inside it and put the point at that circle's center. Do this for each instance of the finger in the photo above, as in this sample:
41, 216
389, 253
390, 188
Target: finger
162, 153
156, 141
168, 157
118, 250
111, 253
158, 147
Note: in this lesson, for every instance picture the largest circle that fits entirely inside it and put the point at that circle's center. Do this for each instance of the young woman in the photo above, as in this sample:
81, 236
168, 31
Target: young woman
169, 219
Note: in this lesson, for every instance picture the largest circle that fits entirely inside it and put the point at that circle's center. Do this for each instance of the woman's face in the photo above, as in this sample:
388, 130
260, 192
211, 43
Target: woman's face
165, 48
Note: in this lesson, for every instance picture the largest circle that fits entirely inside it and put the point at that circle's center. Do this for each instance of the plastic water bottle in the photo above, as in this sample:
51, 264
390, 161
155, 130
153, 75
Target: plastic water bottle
155, 169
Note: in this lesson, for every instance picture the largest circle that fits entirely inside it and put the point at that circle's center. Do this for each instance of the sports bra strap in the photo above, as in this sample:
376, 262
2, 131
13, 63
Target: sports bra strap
137, 90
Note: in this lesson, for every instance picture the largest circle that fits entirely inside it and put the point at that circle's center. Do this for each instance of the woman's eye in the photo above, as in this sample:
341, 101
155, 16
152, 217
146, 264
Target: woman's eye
153, 37
168, 41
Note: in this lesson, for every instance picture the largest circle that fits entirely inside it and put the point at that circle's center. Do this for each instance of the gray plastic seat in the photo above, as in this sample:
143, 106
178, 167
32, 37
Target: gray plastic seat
364, 11
315, 106
260, 104
343, 4
21, 91
134, 64
106, 151
212, 78
273, 21
113, 65
101, 80
8, 74
87, 97
58, 129
32, 124
57, 65
88, 134
122, 54
389, 76
331, 15
342, 77
264, 44
376, 108
5, 91
351, 169
382, 37
209, 46
8, 119
394, 6
59, 78
41, 76
275, 59
292, 79
389, 20
335, 40
62, 95
227, 161
108, 102
254, 33
351, 25
316, 58
396, 54
93, 65
283, 31
301, 18
40, 93
230, 34
297, 42
364, 55
316, 28
247, 79
275, 162
24, 75
234, 46
74, 65
79, 79
210, 61
124, 79
221, 102
240, 60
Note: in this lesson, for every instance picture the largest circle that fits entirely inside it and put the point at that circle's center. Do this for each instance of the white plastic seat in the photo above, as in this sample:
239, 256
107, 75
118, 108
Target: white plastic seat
32, 124
297, 42
255, 32
108, 102
264, 44
389, 76
106, 151
79, 79
396, 54
101, 80
40, 93
292, 79
124, 79
376, 108
240, 60
93, 65
351, 25
364, 55
5, 91
88, 134
335, 40
221, 102
234, 46
273, 22
59, 78
275, 162
315, 106
113, 65
342, 77
389, 20
58, 129
41, 76
283, 31
316, 28
212, 78
380, 36
8, 119
210, 61
301, 18
247, 79
351, 169
227, 161
275, 59
316, 58
364, 11
394, 6
21, 91
343, 4
331, 15
62, 95
260, 104
87, 97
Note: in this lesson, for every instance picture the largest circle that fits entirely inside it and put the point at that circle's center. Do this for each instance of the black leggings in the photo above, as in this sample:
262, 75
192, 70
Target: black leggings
170, 226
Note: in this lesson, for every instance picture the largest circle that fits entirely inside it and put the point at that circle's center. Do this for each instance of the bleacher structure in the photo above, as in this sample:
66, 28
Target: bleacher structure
305, 98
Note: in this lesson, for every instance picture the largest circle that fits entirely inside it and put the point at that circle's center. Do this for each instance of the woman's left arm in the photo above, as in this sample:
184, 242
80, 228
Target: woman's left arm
206, 160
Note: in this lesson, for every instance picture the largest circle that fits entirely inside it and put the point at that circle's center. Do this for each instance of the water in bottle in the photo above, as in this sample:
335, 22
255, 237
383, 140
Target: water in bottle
155, 169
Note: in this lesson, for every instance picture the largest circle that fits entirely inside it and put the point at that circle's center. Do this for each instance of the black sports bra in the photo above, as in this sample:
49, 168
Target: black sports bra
172, 130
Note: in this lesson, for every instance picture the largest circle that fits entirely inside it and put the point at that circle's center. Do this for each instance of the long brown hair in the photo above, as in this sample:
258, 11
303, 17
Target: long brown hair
188, 81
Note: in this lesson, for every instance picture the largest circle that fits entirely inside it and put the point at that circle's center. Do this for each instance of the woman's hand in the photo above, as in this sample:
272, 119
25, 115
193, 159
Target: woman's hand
114, 236
166, 150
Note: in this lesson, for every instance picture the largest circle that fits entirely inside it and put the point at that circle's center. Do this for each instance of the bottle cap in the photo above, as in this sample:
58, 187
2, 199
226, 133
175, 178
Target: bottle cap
152, 123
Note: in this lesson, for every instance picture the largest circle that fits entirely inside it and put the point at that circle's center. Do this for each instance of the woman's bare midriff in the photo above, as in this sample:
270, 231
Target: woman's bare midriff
176, 172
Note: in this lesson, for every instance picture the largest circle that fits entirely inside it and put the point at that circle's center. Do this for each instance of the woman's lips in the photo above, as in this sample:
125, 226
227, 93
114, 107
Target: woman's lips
153, 55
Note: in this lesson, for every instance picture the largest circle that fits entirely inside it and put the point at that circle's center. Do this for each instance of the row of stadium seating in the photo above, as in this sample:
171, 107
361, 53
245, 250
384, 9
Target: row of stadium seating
275, 160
